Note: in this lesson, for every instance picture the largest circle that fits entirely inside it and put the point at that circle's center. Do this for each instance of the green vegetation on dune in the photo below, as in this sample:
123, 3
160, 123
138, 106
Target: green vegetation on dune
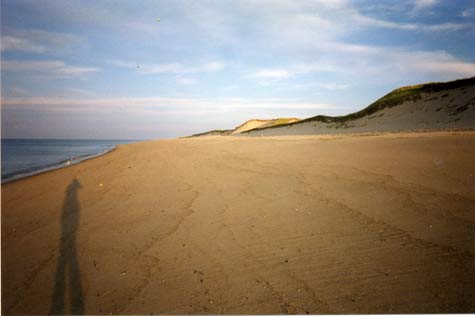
409, 93
214, 132
395, 97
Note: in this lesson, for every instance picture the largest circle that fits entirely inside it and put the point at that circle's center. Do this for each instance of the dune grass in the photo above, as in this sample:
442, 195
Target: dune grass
222, 132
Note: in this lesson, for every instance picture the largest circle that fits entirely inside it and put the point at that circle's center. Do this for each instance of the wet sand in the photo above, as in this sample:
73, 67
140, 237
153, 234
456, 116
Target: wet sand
233, 225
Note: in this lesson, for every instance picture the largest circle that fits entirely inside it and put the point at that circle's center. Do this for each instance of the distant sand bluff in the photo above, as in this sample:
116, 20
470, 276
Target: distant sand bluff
249, 125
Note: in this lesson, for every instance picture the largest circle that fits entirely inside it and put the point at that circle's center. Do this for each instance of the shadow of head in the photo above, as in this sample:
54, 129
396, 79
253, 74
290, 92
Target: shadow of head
71, 203
74, 185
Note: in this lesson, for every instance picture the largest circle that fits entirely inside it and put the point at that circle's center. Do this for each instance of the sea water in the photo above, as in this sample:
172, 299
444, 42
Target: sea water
25, 157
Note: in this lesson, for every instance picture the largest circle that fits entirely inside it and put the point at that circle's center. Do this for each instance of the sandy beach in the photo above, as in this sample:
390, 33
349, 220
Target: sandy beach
240, 225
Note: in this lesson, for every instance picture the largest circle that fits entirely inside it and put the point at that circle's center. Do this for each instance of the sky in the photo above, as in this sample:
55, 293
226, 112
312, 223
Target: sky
110, 70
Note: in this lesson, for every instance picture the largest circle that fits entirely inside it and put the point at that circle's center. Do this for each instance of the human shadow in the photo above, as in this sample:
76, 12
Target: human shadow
68, 268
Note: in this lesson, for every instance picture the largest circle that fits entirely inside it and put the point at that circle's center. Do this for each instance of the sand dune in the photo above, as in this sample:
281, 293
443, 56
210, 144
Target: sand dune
427, 107
296, 224
424, 107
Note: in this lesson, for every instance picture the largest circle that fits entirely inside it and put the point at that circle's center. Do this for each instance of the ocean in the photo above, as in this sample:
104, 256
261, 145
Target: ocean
25, 157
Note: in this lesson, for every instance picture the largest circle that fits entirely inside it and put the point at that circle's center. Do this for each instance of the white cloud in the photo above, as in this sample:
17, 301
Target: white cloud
54, 68
171, 68
174, 68
177, 68
334, 86
11, 43
467, 13
37, 41
315, 86
393, 64
347, 48
185, 81
386, 63
424, 4
359, 20
78, 92
16, 91
213, 66
272, 74
431, 62
301, 69
374, 22
449, 27
121, 63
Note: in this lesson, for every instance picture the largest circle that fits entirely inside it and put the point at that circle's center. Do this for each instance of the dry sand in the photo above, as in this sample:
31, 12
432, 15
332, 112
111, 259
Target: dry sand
315, 224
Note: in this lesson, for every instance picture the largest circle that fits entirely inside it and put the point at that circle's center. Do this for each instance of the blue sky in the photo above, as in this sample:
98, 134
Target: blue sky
108, 69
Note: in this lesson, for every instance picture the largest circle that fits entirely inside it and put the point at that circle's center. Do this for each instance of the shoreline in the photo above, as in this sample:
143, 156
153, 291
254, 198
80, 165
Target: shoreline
60, 165
64, 163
